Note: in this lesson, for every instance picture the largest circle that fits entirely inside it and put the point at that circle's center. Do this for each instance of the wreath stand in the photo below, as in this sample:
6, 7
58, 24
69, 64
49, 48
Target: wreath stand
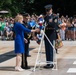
38, 60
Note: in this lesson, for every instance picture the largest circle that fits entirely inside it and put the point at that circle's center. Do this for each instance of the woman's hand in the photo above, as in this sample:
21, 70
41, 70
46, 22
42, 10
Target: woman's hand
26, 41
33, 30
36, 30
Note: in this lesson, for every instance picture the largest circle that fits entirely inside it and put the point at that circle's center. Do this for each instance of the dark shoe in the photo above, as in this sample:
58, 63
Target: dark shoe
28, 67
56, 51
28, 55
49, 66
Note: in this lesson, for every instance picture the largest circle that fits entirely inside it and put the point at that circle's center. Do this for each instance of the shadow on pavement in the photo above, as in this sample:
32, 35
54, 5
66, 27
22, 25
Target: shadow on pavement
8, 55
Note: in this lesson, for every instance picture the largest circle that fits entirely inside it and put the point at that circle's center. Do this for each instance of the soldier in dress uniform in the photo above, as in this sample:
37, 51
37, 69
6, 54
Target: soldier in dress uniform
50, 30
27, 42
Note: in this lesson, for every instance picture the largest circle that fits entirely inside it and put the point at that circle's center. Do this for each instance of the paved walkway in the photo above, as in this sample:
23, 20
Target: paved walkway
66, 59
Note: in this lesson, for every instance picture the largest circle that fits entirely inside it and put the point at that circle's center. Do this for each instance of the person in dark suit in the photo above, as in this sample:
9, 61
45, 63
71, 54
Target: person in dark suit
26, 36
50, 30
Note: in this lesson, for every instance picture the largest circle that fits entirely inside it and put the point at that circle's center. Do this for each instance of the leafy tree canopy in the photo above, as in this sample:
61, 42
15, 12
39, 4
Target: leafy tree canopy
37, 6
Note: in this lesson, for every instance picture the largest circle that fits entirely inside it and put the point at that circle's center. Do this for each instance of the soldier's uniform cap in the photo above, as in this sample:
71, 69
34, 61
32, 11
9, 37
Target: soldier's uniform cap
48, 6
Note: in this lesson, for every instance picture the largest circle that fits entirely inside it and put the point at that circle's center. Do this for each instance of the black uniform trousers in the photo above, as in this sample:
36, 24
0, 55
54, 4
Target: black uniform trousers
49, 50
24, 56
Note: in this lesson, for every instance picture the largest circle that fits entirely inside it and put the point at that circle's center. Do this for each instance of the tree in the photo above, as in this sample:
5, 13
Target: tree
16, 6
37, 6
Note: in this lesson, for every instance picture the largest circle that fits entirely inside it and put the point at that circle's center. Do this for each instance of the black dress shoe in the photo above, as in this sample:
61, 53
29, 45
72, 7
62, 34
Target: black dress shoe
49, 66
28, 67
56, 51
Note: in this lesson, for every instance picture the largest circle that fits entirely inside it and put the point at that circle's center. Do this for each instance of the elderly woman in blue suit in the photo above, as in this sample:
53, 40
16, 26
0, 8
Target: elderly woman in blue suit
19, 30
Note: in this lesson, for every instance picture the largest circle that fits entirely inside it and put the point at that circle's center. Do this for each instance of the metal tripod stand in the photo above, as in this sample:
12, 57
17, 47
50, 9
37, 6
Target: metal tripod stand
39, 62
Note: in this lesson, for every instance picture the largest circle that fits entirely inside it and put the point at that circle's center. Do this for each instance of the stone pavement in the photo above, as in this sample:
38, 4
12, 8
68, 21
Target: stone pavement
66, 59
